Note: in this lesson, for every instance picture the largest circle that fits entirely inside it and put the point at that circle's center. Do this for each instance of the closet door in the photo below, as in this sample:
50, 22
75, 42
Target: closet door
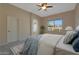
11, 29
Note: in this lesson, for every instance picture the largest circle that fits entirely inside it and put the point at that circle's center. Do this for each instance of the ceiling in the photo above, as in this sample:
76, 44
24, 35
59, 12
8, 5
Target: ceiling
57, 8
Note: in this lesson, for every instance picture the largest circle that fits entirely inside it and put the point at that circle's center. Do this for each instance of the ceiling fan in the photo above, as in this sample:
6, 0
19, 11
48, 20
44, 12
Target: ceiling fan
44, 6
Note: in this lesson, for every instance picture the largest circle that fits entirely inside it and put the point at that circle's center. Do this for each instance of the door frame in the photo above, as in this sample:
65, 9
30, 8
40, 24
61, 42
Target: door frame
16, 27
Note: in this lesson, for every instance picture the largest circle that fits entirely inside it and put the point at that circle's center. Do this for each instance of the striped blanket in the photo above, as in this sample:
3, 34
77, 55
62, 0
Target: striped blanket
31, 45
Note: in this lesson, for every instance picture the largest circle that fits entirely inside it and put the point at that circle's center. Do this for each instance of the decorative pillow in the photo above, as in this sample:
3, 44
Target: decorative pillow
74, 37
75, 44
69, 36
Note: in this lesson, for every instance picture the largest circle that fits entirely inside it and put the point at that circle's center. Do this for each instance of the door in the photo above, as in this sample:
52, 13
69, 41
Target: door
11, 29
34, 27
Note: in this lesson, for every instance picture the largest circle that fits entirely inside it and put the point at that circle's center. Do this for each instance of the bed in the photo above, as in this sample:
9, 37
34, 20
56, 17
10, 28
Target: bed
46, 45
65, 49
49, 44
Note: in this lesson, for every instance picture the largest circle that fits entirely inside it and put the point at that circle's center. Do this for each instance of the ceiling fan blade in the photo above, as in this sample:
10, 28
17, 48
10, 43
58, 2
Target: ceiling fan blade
49, 6
44, 6
45, 3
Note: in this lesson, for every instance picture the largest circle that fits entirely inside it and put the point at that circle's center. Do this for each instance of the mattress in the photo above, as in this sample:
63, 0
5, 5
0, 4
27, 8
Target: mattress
66, 47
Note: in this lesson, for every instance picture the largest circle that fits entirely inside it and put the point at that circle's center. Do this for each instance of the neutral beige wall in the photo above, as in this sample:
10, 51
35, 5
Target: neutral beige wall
68, 19
77, 15
2, 25
24, 21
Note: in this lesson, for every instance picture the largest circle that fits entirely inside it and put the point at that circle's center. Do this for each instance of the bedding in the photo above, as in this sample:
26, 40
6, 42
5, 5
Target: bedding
31, 45
17, 49
75, 44
46, 44
70, 37
66, 47
75, 35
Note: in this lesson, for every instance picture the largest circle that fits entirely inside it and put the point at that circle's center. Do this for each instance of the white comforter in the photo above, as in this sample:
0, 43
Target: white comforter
47, 44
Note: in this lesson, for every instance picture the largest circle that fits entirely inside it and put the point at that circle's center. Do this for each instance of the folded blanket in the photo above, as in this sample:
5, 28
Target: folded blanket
31, 45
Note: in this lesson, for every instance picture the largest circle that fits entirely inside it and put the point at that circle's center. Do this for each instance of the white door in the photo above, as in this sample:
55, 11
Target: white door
34, 27
11, 29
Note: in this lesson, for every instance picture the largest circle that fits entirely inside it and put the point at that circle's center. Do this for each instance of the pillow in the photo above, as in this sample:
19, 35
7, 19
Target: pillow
74, 37
75, 44
69, 36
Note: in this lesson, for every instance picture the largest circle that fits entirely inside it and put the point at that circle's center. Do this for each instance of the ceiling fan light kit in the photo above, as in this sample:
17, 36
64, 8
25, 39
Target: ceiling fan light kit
44, 6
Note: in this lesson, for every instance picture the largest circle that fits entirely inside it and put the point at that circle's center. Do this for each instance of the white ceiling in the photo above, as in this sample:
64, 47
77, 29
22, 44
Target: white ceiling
57, 8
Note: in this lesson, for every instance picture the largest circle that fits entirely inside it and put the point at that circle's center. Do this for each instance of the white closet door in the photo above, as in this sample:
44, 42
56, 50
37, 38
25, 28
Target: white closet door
11, 29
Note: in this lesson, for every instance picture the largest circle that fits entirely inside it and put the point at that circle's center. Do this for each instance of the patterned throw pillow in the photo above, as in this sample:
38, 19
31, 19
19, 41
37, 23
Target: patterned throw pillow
69, 36
75, 44
74, 37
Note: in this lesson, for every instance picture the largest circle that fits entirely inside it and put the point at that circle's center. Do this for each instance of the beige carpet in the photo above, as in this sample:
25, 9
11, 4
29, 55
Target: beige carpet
5, 49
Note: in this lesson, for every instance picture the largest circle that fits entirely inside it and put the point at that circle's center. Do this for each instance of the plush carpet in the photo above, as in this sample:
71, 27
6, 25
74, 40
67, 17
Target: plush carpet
5, 49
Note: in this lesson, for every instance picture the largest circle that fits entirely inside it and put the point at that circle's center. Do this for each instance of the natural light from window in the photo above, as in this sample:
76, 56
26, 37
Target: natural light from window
55, 24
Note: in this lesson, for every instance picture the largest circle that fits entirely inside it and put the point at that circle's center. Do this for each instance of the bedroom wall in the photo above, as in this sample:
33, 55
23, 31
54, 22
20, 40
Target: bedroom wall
68, 19
77, 15
24, 21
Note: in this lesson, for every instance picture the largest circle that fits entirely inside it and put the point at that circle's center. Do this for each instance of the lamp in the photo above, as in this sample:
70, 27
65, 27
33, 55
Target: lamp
77, 28
68, 28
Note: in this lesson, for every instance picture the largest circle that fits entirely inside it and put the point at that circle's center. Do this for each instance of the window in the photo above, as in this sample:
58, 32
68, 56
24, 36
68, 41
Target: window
55, 24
